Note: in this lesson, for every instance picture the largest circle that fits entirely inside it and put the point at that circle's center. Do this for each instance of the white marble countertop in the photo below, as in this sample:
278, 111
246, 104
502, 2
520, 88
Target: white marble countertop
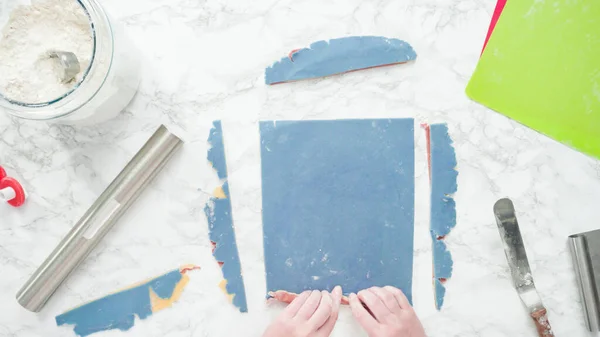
204, 60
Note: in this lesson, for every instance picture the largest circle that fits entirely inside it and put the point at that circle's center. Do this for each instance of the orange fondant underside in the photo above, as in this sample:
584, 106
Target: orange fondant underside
288, 297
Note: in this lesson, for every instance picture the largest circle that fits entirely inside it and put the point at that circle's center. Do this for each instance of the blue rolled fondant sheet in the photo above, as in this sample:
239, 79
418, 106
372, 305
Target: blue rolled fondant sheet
338, 204
324, 58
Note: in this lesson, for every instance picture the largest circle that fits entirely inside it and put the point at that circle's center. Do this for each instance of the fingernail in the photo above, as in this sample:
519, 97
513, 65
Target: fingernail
352, 295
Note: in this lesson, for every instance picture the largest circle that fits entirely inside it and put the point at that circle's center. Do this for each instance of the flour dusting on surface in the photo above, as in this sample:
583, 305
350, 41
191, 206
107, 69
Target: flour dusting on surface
28, 74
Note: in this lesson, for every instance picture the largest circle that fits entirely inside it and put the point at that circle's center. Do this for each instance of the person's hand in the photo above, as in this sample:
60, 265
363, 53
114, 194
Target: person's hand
312, 314
387, 314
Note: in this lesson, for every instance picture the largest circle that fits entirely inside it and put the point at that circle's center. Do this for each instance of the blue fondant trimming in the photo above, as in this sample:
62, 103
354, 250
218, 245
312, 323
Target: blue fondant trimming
442, 266
443, 208
340, 55
338, 204
216, 152
118, 310
220, 222
440, 293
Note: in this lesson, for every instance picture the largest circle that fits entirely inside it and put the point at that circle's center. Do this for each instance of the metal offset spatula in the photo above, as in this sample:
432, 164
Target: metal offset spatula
519, 266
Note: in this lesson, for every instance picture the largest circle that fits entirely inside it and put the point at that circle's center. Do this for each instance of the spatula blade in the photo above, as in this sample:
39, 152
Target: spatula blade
515, 254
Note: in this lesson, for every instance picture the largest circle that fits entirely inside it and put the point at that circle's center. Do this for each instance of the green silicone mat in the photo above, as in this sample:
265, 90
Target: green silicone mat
541, 67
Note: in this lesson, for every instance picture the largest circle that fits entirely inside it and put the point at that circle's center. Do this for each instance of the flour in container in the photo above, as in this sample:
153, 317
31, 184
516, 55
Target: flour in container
27, 74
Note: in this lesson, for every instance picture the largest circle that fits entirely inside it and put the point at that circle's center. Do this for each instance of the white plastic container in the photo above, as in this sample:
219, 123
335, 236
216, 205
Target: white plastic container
108, 85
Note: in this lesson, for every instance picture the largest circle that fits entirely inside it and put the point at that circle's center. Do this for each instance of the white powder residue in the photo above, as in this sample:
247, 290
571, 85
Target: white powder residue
27, 73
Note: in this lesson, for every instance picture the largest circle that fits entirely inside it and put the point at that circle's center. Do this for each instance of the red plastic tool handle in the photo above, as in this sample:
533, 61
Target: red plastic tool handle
5, 182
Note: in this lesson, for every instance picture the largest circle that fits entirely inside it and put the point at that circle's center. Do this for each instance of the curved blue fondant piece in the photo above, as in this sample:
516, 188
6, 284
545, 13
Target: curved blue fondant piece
220, 223
118, 310
443, 207
324, 58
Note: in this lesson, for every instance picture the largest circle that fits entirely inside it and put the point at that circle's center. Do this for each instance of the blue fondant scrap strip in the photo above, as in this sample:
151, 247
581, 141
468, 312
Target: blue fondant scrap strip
442, 260
440, 291
216, 152
443, 207
324, 58
220, 222
338, 204
118, 310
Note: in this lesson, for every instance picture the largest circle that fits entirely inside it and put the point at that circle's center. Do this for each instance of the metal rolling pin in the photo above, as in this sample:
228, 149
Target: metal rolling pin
99, 219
